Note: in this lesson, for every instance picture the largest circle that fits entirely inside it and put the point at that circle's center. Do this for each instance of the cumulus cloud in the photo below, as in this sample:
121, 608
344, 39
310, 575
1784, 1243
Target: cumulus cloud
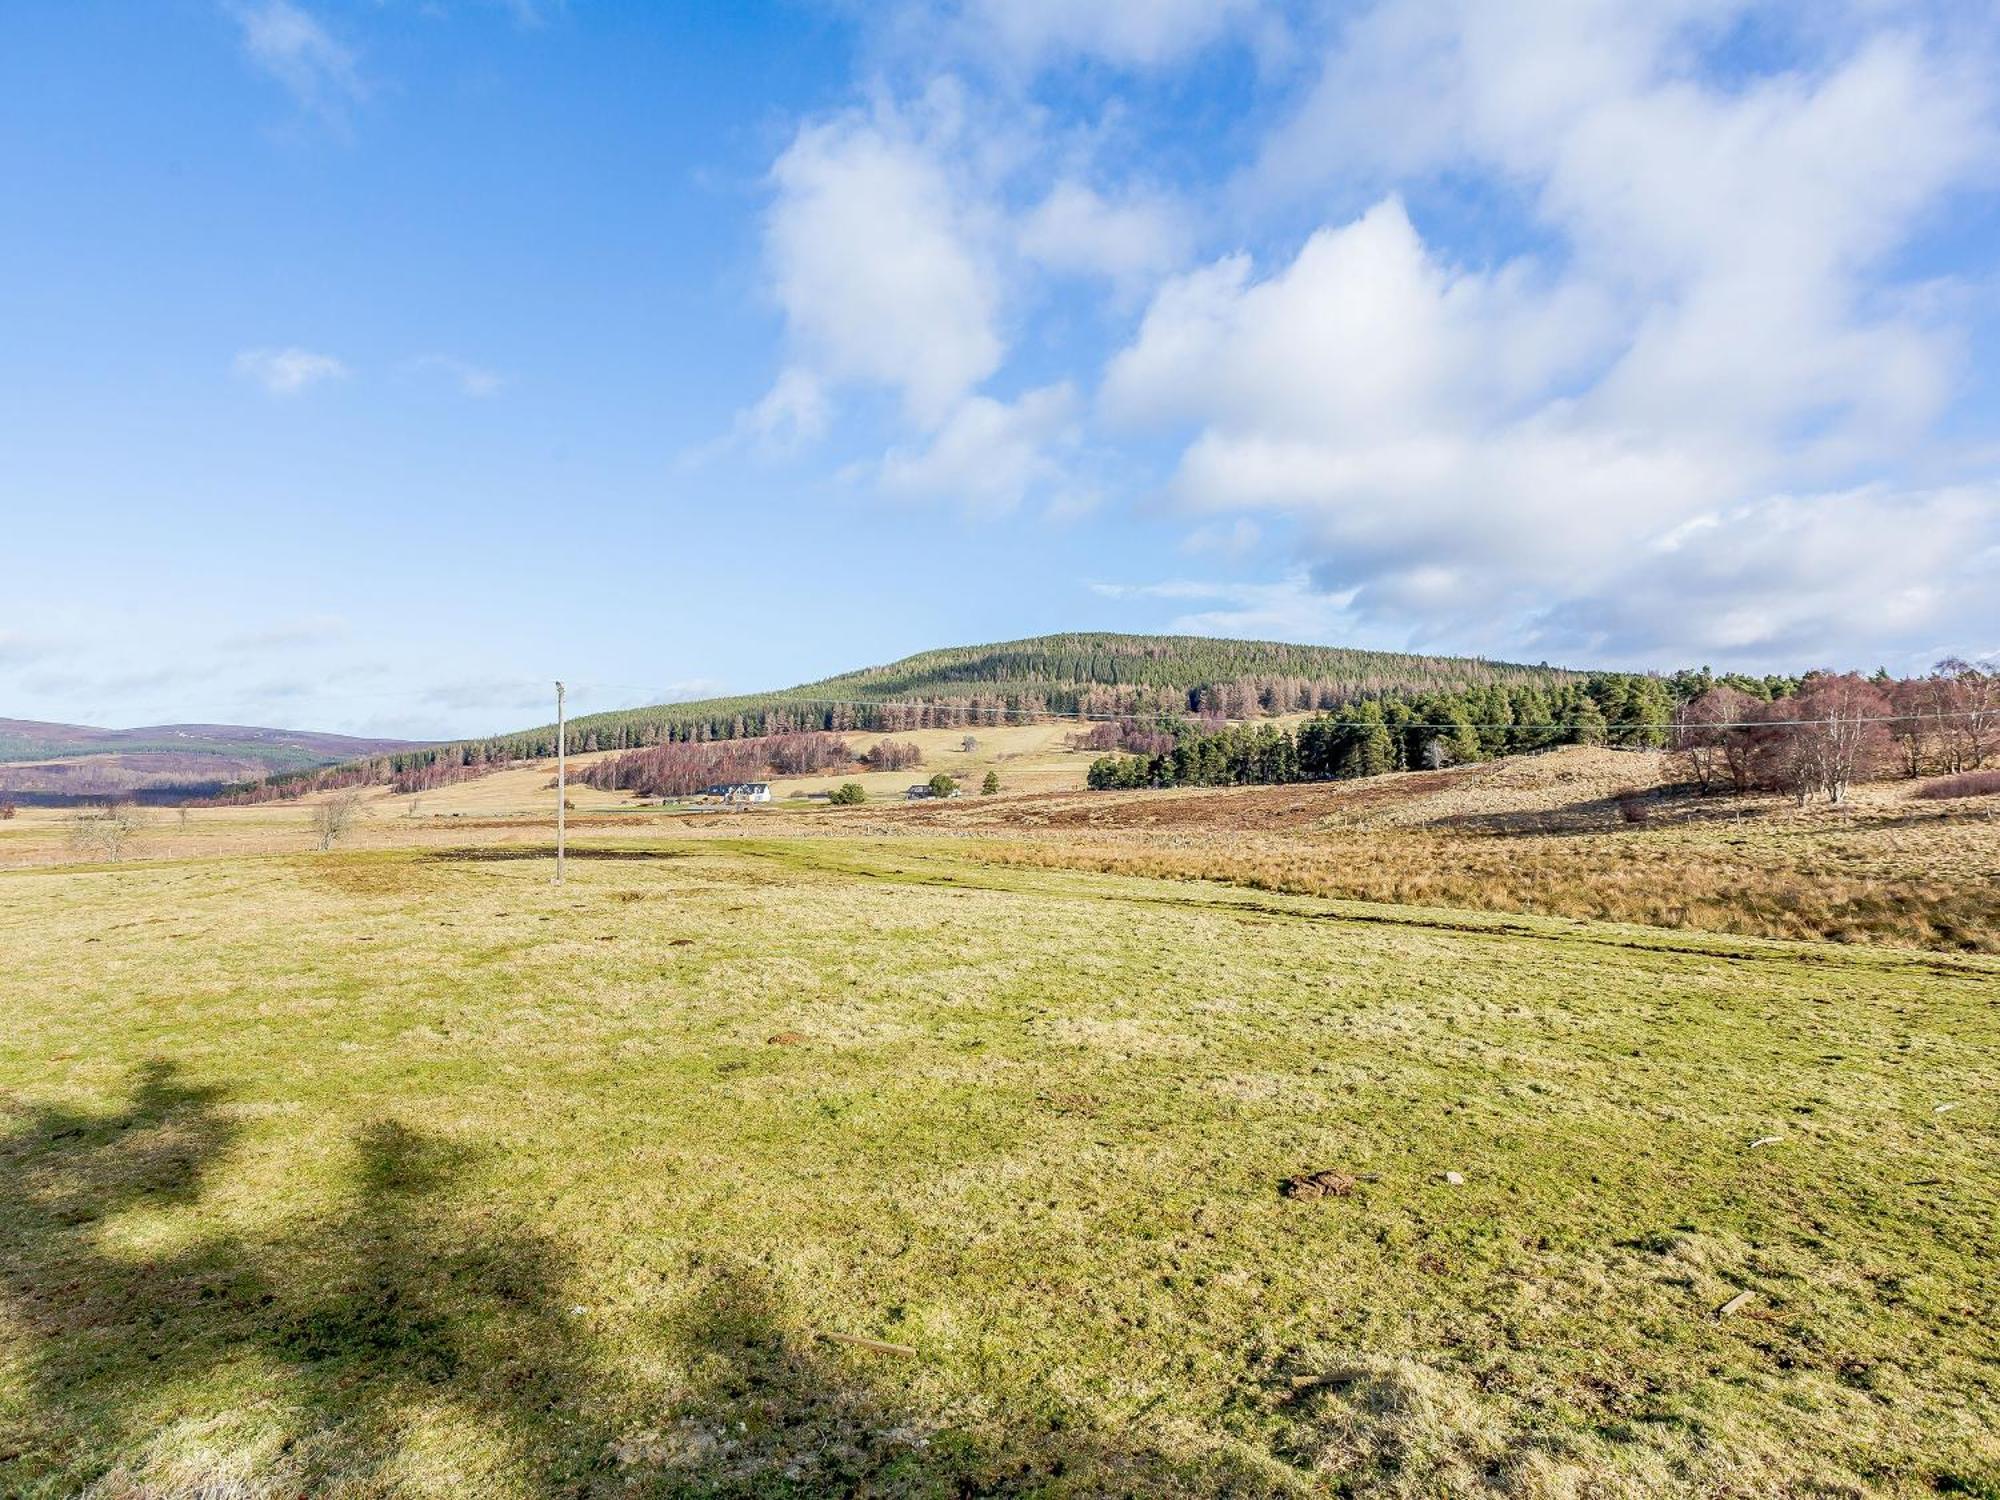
1558, 312
989, 455
286, 42
288, 372
1703, 360
877, 264
1075, 229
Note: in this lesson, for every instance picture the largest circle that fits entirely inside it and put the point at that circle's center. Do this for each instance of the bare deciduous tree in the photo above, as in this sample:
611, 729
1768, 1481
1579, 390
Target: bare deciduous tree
1708, 728
1968, 711
332, 818
101, 833
1838, 733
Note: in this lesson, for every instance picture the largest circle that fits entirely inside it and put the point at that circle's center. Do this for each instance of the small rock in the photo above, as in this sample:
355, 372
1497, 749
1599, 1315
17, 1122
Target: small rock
1456, 1179
1328, 1184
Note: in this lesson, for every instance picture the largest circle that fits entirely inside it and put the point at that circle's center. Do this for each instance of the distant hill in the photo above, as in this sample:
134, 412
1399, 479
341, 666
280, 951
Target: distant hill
1166, 676
69, 762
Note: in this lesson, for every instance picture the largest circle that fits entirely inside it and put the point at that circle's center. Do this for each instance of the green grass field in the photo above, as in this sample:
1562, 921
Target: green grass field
407, 1173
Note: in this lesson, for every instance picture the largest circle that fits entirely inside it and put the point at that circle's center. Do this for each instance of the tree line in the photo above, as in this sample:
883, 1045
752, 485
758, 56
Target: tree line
1839, 729
1811, 735
1404, 732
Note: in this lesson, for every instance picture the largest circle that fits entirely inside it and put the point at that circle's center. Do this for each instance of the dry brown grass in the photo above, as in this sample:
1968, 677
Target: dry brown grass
1652, 882
1546, 834
1540, 834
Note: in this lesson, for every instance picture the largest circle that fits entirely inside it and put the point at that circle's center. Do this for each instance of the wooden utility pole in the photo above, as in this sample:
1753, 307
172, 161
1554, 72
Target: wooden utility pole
562, 787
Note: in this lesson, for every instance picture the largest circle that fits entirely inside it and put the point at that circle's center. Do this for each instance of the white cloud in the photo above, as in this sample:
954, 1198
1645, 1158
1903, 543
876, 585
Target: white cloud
989, 455
877, 264
289, 44
1291, 609
1813, 579
288, 372
1075, 229
472, 380
1363, 335
793, 411
1707, 359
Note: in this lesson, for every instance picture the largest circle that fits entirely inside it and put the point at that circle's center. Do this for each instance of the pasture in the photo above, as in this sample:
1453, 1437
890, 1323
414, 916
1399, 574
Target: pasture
399, 1171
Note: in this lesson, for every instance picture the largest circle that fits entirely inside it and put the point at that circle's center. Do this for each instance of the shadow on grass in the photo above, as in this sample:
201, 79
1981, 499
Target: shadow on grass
347, 1330
419, 1339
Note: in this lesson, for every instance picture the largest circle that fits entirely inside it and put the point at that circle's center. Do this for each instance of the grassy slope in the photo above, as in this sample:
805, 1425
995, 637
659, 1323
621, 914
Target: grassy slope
405, 1173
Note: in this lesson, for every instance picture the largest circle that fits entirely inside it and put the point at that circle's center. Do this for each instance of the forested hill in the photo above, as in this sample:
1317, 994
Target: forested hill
1099, 674
1084, 673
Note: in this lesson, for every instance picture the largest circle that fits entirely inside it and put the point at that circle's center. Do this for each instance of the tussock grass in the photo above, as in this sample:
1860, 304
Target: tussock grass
1760, 890
1967, 784
406, 1173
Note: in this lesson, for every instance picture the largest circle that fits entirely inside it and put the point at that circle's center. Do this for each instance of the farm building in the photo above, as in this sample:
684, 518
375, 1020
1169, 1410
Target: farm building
740, 791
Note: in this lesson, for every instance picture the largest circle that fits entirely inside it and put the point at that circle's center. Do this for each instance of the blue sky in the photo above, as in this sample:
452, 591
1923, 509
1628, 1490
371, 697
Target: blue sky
366, 363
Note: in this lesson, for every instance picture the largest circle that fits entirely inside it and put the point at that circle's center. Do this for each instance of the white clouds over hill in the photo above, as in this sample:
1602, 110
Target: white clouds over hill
1688, 407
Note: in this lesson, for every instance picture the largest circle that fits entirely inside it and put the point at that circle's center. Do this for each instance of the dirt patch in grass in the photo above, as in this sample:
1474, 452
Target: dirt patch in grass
1309, 1185
364, 874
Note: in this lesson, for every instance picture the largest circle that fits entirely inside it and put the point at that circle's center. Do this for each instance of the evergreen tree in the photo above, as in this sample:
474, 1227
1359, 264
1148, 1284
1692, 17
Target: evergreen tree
1591, 727
1374, 750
